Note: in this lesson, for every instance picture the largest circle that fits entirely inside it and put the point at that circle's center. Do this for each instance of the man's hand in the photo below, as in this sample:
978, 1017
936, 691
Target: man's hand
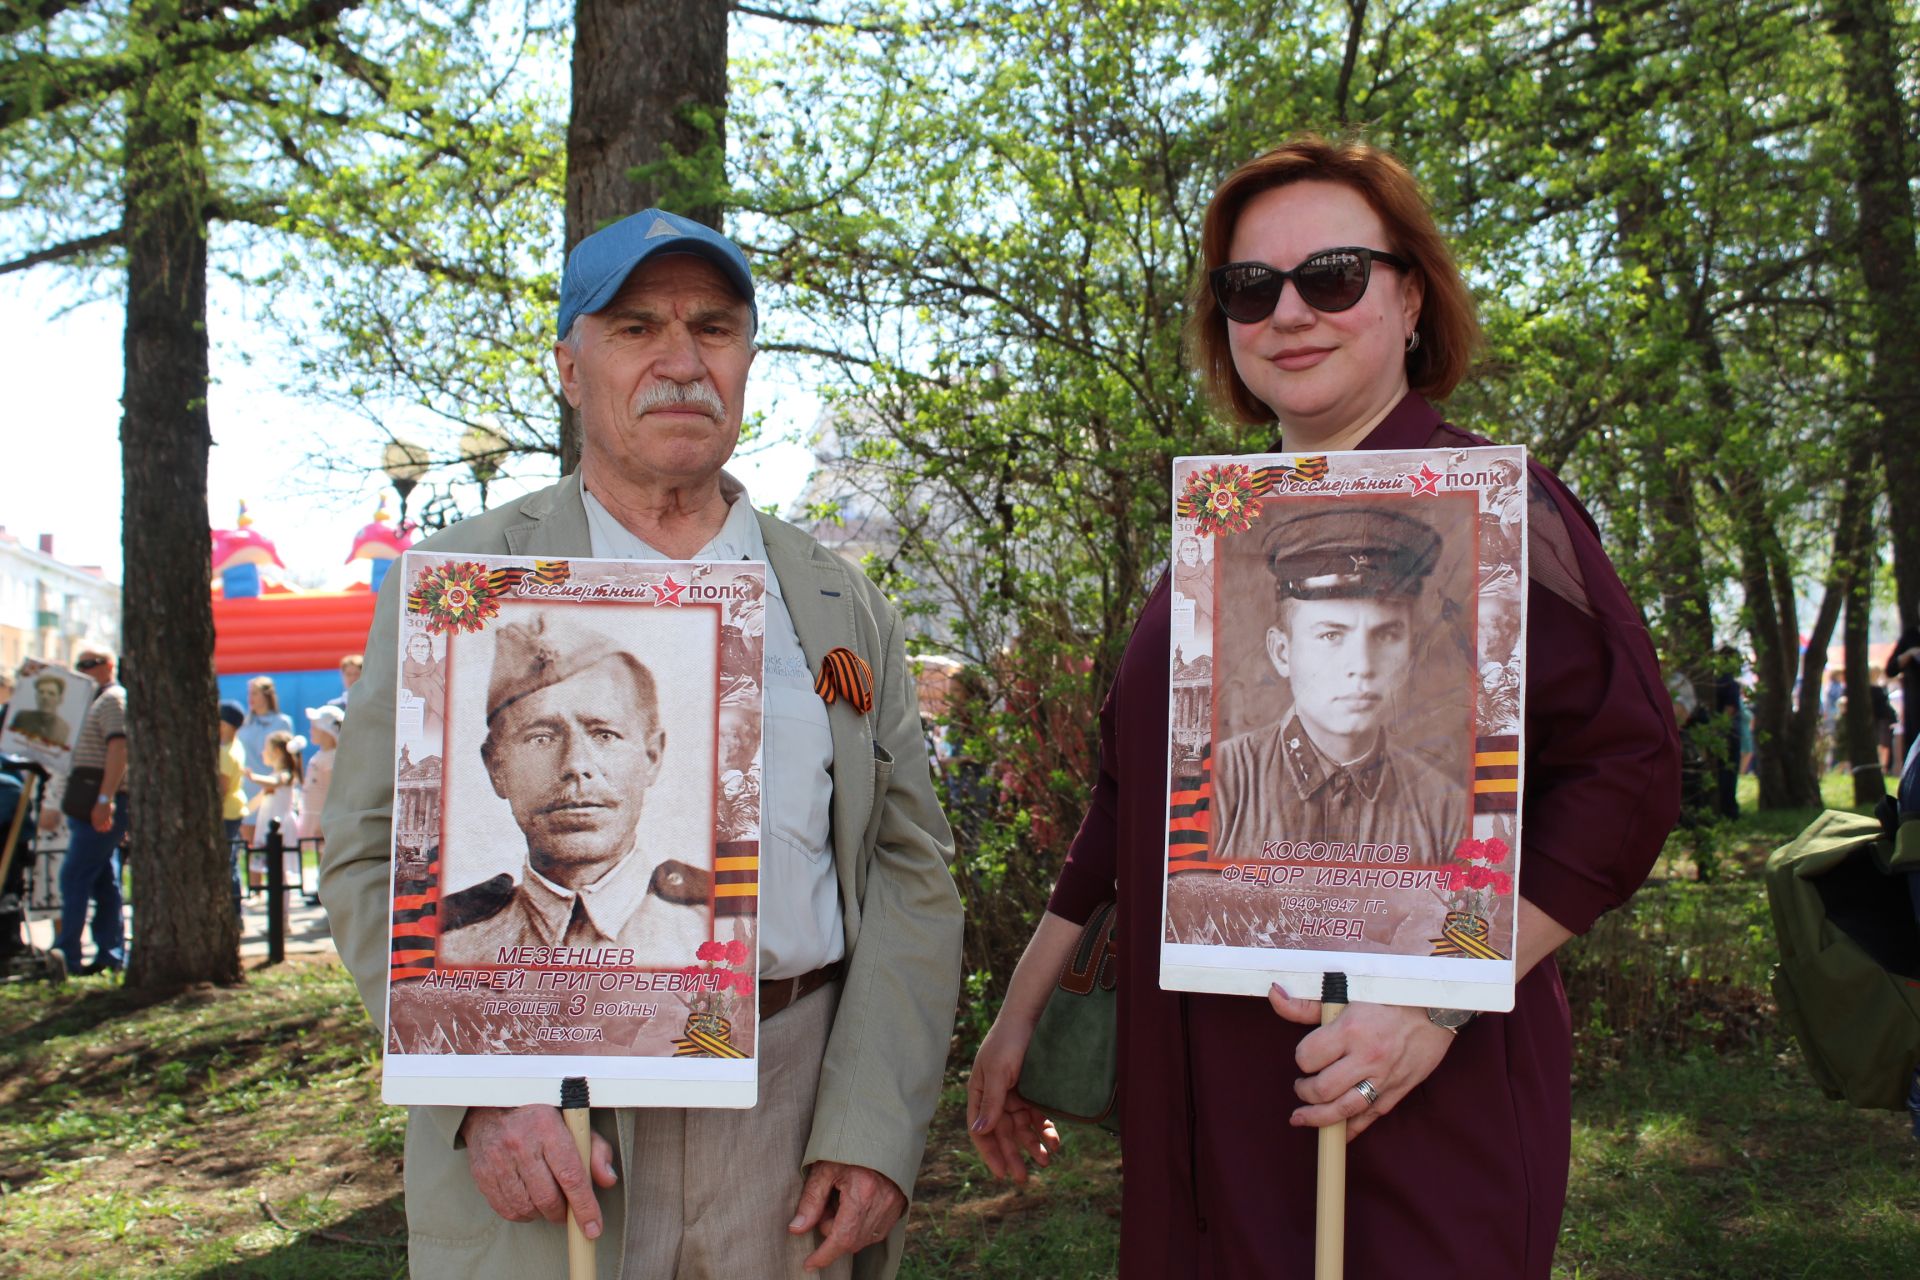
102, 816
852, 1206
524, 1163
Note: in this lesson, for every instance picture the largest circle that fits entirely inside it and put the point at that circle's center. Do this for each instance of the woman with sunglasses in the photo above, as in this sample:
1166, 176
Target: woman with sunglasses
1328, 304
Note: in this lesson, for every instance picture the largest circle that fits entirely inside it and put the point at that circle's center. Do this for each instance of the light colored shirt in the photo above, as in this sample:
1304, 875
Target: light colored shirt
106, 720
800, 927
253, 737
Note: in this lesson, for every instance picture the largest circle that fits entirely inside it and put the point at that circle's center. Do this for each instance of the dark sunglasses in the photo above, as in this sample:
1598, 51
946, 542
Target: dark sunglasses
1331, 280
88, 664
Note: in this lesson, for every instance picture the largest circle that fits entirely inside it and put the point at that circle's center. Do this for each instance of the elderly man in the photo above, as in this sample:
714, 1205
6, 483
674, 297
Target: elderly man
859, 920
95, 803
573, 744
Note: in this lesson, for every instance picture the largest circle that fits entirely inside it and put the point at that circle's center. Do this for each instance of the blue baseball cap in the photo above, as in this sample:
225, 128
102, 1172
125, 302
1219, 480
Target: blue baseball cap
601, 263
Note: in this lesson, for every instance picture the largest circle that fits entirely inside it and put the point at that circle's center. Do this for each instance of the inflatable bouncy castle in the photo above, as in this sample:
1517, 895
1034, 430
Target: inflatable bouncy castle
264, 627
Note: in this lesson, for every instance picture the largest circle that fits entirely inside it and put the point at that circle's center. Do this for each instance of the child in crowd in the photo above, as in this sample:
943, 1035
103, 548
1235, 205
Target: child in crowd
324, 722
279, 795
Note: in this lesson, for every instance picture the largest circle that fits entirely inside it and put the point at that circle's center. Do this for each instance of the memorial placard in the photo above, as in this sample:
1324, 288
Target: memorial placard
1346, 724
43, 720
576, 831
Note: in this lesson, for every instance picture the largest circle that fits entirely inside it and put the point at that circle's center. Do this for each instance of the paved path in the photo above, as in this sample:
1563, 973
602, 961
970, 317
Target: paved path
307, 932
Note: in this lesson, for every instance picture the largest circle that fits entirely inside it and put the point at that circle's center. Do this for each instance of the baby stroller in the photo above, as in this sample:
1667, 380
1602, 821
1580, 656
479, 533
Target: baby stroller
21, 781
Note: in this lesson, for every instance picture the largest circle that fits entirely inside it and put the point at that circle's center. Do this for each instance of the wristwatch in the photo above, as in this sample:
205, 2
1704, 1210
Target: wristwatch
104, 799
1452, 1019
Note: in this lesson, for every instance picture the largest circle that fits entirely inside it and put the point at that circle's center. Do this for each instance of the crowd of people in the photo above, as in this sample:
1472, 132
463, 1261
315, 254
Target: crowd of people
265, 773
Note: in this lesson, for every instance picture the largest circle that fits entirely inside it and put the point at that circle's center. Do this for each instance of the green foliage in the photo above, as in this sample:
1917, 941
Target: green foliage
982, 216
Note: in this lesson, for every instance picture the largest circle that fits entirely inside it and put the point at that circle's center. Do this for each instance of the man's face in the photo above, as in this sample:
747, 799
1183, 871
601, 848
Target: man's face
739, 739
1503, 628
574, 761
348, 674
47, 693
1345, 659
660, 374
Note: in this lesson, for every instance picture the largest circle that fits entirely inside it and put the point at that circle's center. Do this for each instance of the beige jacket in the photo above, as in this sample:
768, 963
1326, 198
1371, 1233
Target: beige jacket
891, 845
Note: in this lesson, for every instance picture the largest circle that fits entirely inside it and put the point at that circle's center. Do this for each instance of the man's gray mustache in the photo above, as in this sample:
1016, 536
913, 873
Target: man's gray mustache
680, 395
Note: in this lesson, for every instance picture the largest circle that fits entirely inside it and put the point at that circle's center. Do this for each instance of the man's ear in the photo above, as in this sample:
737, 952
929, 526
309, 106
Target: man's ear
1277, 651
493, 770
656, 750
569, 370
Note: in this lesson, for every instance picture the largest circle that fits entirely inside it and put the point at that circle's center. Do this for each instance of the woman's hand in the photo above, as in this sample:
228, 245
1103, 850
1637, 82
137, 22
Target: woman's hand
1393, 1046
1001, 1123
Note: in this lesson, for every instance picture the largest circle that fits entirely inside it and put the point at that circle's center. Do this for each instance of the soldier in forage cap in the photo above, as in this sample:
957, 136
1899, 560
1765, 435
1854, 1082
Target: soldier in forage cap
573, 743
1347, 585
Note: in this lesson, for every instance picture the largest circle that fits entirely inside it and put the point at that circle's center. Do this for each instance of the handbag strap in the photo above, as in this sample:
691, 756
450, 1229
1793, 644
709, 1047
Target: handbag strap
1095, 957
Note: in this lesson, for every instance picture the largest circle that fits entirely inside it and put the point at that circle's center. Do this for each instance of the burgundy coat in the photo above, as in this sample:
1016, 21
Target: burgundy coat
1468, 1176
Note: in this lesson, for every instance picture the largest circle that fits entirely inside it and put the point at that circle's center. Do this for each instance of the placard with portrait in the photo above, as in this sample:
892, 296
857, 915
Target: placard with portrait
43, 718
1346, 723
576, 831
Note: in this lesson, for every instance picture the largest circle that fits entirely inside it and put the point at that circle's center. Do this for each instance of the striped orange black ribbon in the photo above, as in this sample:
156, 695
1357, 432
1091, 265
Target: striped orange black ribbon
1465, 935
1496, 774
547, 573
845, 674
1190, 817
416, 926
736, 877
704, 1044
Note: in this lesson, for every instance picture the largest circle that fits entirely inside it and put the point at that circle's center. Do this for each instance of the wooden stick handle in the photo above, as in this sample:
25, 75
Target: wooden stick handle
1330, 1188
580, 1264
30, 787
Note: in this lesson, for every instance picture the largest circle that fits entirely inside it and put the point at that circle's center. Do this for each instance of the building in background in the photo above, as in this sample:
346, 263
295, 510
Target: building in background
50, 609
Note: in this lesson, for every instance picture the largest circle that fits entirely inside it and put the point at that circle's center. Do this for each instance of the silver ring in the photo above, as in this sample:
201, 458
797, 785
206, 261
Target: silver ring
1367, 1090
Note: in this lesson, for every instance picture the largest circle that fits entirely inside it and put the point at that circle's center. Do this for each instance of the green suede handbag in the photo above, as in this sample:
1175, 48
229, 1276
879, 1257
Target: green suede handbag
1072, 1068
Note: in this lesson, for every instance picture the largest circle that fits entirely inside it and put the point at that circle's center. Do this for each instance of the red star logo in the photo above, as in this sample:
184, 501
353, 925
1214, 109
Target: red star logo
667, 591
1425, 480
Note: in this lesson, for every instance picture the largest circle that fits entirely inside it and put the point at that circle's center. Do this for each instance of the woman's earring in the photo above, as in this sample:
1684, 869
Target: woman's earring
1413, 341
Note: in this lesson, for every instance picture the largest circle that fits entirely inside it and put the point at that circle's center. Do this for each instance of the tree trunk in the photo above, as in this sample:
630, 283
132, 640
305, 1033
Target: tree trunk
1678, 562
1854, 554
1785, 730
1863, 751
649, 123
1885, 169
182, 894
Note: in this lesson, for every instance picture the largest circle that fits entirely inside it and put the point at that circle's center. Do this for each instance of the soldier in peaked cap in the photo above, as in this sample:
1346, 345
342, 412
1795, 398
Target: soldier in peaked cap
573, 743
1347, 585
858, 920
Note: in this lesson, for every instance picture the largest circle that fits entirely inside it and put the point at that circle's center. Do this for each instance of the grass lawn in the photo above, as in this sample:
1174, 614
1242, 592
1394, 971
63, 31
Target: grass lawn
239, 1133
229, 1133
